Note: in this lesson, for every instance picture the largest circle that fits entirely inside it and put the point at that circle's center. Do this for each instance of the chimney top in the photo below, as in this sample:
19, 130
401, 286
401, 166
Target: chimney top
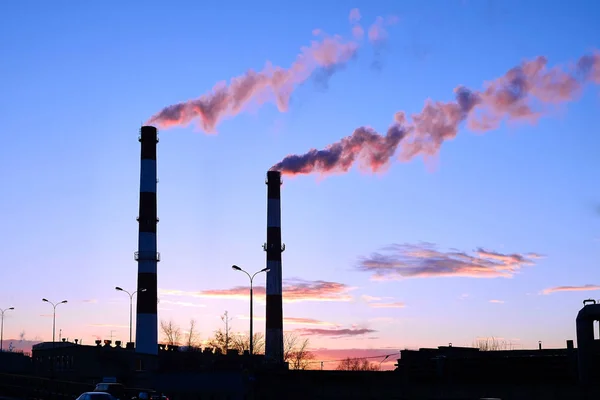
273, 177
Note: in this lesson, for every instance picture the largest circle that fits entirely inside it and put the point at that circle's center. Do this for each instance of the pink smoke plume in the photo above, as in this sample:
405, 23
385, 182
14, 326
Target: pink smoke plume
376, 32
228, 100
326, 55
523, 93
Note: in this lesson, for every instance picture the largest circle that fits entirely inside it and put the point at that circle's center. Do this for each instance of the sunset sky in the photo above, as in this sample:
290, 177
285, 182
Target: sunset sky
409, 240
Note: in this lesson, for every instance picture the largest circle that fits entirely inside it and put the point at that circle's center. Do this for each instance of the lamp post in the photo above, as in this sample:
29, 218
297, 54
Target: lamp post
53, 315
235, 267
130, 308
2, 326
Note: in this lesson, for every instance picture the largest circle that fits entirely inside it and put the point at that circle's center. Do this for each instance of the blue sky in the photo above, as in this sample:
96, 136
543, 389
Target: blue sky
78, 80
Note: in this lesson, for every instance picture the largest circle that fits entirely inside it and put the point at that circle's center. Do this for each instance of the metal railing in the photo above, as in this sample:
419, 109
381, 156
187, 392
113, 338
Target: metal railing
146, 256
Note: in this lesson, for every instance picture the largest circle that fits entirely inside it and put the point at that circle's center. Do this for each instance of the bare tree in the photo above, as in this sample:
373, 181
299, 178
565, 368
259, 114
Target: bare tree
357, 364
242, 343
290, 340
300, 357
192, 340
171, 332
223, 340
295, 351
491, 344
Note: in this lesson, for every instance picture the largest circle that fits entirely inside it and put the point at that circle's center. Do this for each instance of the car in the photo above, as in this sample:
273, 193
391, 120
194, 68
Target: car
96, 396
116, 389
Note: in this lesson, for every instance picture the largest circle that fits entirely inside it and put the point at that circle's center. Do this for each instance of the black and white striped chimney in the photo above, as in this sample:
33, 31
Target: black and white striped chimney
146, 334
274, 248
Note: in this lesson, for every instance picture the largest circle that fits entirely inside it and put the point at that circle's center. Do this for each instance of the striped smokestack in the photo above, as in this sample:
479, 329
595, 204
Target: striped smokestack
146, 334
273, 247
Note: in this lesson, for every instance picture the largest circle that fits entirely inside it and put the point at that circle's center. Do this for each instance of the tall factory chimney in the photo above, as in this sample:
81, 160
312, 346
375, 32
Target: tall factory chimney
274, 248
146, 334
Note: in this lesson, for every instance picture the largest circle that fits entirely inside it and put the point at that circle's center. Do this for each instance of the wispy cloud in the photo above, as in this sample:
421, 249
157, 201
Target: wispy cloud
334, 332
424, 260
369, 299
463, 296
582, 288
92, 301
397, 304
294, 290
497, 301
182, 303
294, 320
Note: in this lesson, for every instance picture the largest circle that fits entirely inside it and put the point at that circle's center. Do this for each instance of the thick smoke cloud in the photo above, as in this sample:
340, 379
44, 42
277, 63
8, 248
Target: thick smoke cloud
524, 93
372, 150
324, 57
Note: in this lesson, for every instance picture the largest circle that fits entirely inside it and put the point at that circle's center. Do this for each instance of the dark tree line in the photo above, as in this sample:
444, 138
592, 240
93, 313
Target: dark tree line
295, 348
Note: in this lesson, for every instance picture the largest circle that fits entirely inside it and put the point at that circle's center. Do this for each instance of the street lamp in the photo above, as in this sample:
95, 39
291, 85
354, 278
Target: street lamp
2, 326
53, 315
130, 307
235, 267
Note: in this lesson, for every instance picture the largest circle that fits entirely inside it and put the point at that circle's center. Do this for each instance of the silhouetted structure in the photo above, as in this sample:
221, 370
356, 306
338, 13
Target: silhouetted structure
274, 248
467, 365
88, 363
588, 348
82, 363
15, 362
147, 256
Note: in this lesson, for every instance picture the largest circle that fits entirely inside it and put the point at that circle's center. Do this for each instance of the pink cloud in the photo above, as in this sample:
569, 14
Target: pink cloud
497, 301
294, 290
424, 260
334, 332
397, 304
294, 320
369, 299
583, 288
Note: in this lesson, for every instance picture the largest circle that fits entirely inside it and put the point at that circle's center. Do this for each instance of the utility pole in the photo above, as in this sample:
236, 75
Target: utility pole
2, 325
226, 333
225, 318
